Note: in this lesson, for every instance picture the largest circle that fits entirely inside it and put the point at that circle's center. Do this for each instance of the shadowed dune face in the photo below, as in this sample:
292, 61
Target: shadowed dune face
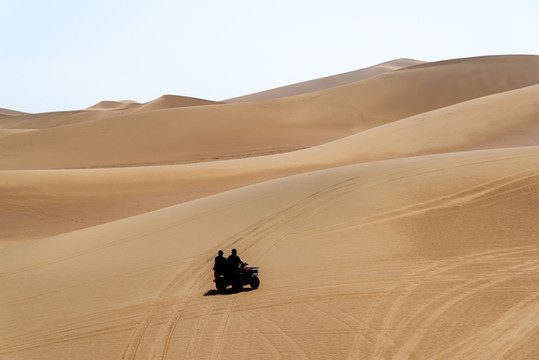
392, 218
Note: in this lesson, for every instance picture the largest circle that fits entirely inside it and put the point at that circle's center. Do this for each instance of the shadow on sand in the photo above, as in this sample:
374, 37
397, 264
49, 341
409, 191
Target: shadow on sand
230, 291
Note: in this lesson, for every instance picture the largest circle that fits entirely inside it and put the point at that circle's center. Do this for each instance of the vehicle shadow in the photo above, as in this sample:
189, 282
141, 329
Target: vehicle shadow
214, 292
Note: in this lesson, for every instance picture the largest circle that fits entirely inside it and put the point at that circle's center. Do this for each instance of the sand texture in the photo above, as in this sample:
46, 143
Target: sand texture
393, 212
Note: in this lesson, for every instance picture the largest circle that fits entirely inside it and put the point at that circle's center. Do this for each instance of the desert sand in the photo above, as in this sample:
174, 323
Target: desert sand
326, 82
392, 212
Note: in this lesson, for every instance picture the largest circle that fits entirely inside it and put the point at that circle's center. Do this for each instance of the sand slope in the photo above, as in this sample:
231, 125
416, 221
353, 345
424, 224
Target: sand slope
367, 260
173, 101
215, 132
392, 218
326, 82
6, 132
107, 104
102, 110
7, 112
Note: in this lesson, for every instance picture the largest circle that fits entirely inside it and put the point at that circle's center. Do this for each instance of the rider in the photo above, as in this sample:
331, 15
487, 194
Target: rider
220, 264
234, 262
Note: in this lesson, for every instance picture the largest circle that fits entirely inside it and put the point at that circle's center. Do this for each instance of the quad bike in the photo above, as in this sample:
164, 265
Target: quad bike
247, 275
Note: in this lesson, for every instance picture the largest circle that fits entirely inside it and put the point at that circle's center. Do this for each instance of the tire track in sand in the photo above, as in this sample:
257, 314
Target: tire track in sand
405, 288
246, 238
451, 298
357, 326
488, 190
519, 313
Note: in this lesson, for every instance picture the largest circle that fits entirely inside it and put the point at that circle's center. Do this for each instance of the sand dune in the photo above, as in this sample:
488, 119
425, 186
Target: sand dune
326, 82
113, 105
102, 110
393, 217
239, 130
6, 132
92, 197
507, 119
366, 260
173, 101
7, 112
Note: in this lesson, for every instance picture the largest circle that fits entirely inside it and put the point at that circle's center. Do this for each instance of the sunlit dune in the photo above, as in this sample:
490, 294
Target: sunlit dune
5, 132
326, 82
172, 101
367, 259
392, 212
113, 105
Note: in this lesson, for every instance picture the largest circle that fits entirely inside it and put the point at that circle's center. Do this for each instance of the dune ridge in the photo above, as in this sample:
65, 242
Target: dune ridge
173, 101
102, 110
7, 112
107, 104
326, 82
394, 217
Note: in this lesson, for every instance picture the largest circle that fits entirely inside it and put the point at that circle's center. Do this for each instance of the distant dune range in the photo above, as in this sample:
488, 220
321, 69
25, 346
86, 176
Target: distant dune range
10, 119
193, 134
392, 210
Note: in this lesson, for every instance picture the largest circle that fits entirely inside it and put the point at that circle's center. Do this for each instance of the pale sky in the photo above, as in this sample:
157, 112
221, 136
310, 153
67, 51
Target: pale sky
70, 54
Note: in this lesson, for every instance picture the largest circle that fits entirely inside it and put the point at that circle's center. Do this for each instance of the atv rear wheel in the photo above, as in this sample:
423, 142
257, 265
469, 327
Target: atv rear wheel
255, 282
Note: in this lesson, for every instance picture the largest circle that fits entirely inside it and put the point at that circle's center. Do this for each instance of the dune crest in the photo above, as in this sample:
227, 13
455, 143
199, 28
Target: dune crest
7, 112
106, 104
173, 101
103, 110
326, 82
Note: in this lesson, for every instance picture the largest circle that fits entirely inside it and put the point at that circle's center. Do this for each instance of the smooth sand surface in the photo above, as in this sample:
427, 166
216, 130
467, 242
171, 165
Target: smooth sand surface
8, 112
382, 232
326, 82
173, 101
6, 132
